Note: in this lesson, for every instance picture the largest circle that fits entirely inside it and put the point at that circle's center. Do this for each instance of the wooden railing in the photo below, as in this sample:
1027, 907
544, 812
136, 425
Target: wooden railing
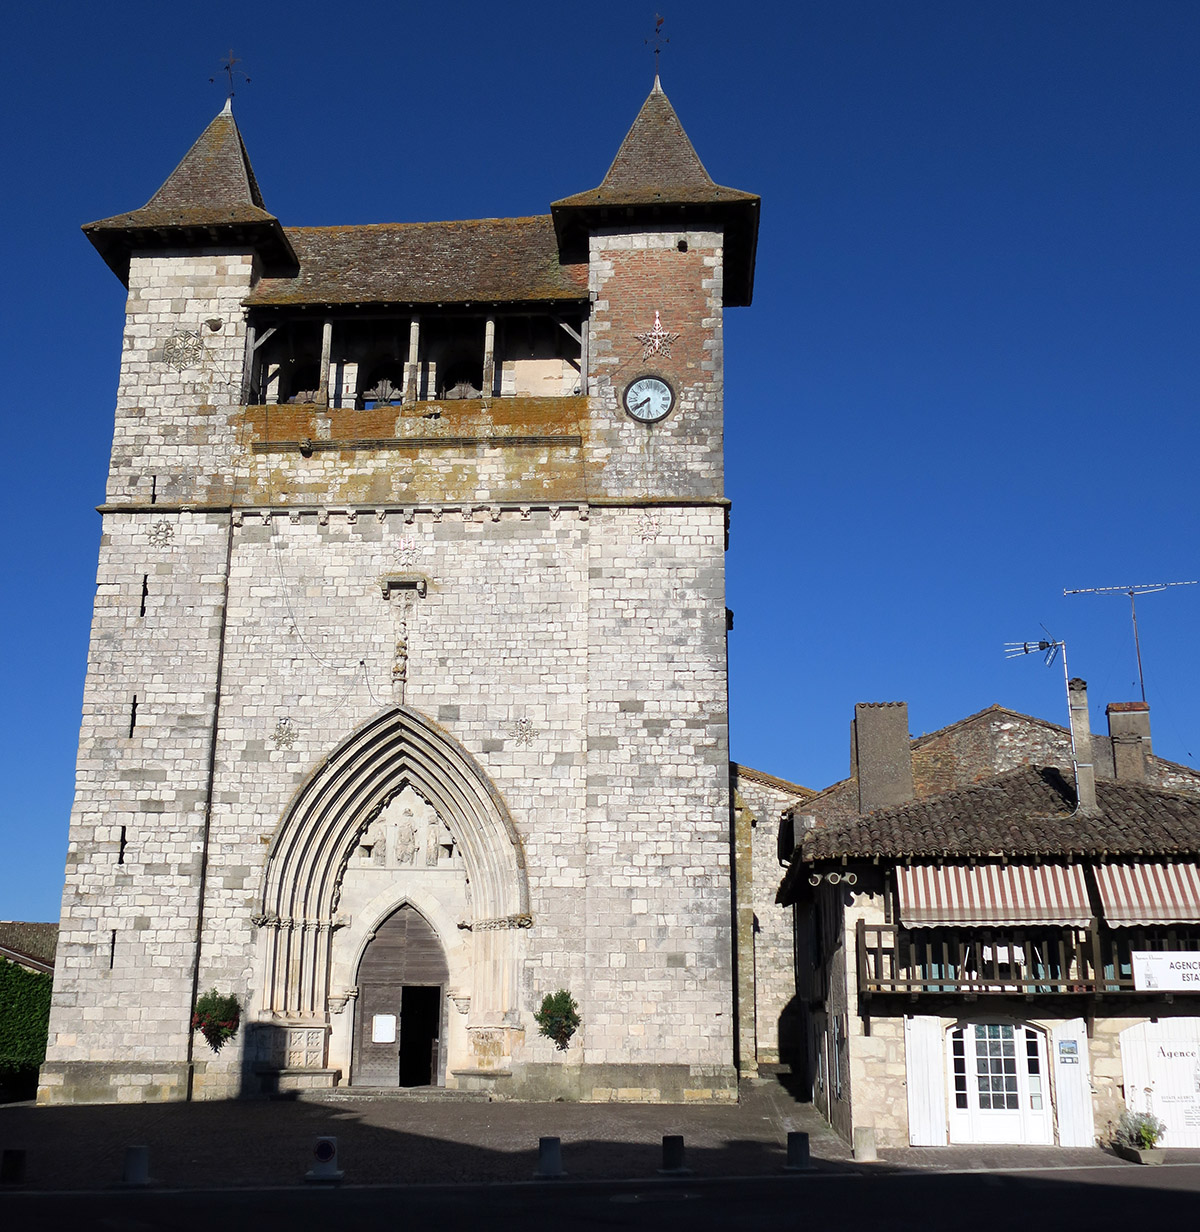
1029, 961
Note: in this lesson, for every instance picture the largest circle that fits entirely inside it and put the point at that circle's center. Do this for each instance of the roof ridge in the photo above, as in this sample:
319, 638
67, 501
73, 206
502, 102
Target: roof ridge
772, 780
994, 708
428, 222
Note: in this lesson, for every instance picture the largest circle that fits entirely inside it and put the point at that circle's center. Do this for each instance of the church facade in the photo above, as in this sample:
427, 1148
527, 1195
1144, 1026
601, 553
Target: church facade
406, 701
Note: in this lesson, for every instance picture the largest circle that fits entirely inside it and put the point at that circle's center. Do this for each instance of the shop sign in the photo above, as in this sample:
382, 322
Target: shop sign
1166, 970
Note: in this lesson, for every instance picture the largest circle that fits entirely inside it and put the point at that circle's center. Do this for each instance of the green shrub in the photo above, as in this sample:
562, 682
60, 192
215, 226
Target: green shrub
558, 1018
216, 1017
1140, 1129
24, 1024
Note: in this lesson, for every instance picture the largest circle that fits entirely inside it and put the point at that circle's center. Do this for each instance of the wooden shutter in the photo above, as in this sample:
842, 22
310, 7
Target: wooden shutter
925, 1070
1073, 1084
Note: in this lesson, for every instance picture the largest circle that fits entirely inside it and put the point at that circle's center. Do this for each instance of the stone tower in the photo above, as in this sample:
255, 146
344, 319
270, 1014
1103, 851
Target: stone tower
406, 694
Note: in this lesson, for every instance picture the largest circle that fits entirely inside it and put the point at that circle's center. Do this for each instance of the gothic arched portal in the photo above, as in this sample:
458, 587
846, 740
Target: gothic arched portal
312, 847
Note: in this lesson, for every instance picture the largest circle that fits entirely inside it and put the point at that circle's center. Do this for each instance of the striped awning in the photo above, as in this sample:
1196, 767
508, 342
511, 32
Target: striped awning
981, 895
1149, 893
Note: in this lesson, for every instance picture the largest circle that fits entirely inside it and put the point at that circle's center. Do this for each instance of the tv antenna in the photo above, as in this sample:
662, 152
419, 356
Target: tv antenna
1051, 646
1140, 588
229, 66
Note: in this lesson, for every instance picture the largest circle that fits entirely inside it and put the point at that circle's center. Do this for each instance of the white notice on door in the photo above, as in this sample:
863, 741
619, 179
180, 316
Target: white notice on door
383, 1029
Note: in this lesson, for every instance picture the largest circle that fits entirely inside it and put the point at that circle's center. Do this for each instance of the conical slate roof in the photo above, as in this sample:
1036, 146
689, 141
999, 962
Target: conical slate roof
657, 177
211, 197
656, 164
214, 174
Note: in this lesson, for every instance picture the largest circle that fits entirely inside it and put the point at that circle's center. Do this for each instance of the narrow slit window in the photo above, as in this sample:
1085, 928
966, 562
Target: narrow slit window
133, 714
112, 949
121, 847
153, 489
145, 592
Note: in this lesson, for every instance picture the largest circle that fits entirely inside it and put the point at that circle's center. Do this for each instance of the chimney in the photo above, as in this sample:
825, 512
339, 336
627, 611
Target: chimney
1129, 730
1081, 746
880, 755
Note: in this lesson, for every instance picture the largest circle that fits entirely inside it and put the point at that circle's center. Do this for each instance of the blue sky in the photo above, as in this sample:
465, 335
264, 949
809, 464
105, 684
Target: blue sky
967, 381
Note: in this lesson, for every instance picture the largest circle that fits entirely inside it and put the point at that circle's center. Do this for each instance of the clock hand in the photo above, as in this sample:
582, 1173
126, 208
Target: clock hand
637, 406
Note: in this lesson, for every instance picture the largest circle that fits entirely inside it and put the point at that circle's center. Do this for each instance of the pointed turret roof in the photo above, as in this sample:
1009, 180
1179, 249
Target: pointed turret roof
657, 175
212, 197
656, 164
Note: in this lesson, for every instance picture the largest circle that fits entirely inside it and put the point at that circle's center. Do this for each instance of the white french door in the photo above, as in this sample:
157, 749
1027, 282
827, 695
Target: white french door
1000, 1086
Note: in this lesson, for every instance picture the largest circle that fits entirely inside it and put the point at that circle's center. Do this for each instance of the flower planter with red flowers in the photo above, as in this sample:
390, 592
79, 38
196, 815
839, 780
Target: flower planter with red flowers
217, 1017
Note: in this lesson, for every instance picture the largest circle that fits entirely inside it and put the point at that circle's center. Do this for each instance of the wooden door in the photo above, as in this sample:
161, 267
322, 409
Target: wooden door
398, 1020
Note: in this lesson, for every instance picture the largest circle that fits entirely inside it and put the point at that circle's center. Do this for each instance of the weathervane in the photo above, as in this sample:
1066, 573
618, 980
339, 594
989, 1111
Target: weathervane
660, 40
229, 66
1139, 588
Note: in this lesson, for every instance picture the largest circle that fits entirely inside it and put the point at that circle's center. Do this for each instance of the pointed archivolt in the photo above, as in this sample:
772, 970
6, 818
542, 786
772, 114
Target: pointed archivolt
321, 829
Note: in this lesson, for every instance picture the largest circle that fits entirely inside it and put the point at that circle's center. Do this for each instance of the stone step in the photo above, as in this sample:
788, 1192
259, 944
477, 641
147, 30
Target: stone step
413, 1095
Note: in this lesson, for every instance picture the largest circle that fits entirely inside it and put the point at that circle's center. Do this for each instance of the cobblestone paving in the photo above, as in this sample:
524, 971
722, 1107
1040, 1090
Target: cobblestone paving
403, 1141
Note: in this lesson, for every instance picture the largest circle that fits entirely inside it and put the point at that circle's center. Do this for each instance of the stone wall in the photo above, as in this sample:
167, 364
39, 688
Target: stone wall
574, 649
877, 1096
634, 275
123, 976
181, 376
772, 983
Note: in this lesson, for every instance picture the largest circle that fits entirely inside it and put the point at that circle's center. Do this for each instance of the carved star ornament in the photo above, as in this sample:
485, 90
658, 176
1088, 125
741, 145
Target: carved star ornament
656, 341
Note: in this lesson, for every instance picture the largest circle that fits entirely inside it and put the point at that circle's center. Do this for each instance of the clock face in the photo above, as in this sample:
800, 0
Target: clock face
649, 398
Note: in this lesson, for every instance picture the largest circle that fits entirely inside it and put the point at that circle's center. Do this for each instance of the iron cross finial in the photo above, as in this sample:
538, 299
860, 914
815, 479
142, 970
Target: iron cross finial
659, 39
229, 66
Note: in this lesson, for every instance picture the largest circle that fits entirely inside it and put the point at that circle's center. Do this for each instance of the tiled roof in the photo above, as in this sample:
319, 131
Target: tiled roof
656, 165
36, 940
1025, 812
213, 191
485, 260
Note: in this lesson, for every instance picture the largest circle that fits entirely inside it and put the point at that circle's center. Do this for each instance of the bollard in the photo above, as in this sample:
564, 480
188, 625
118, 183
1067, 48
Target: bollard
864, 1144
12, 1166
798, 1159
325, 1152
672, 1157
137, 1166
549, 1160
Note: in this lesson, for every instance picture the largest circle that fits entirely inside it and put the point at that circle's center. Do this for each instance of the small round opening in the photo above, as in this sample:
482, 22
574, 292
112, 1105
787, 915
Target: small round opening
682, 245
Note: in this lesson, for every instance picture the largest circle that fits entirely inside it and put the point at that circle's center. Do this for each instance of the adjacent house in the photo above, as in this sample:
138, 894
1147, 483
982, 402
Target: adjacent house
29, 945
987, 921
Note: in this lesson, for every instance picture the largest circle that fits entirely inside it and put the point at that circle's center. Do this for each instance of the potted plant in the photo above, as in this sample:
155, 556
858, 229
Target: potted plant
216, 1017
1137, 1138
558, 1018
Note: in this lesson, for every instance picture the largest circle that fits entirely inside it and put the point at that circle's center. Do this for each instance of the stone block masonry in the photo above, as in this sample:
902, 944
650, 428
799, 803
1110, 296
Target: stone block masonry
548, 618
407, 698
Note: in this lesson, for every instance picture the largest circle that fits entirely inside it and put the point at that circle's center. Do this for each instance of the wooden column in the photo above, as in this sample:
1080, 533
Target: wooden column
248, 365
585, 331
412, 383
489, 357
326, 347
